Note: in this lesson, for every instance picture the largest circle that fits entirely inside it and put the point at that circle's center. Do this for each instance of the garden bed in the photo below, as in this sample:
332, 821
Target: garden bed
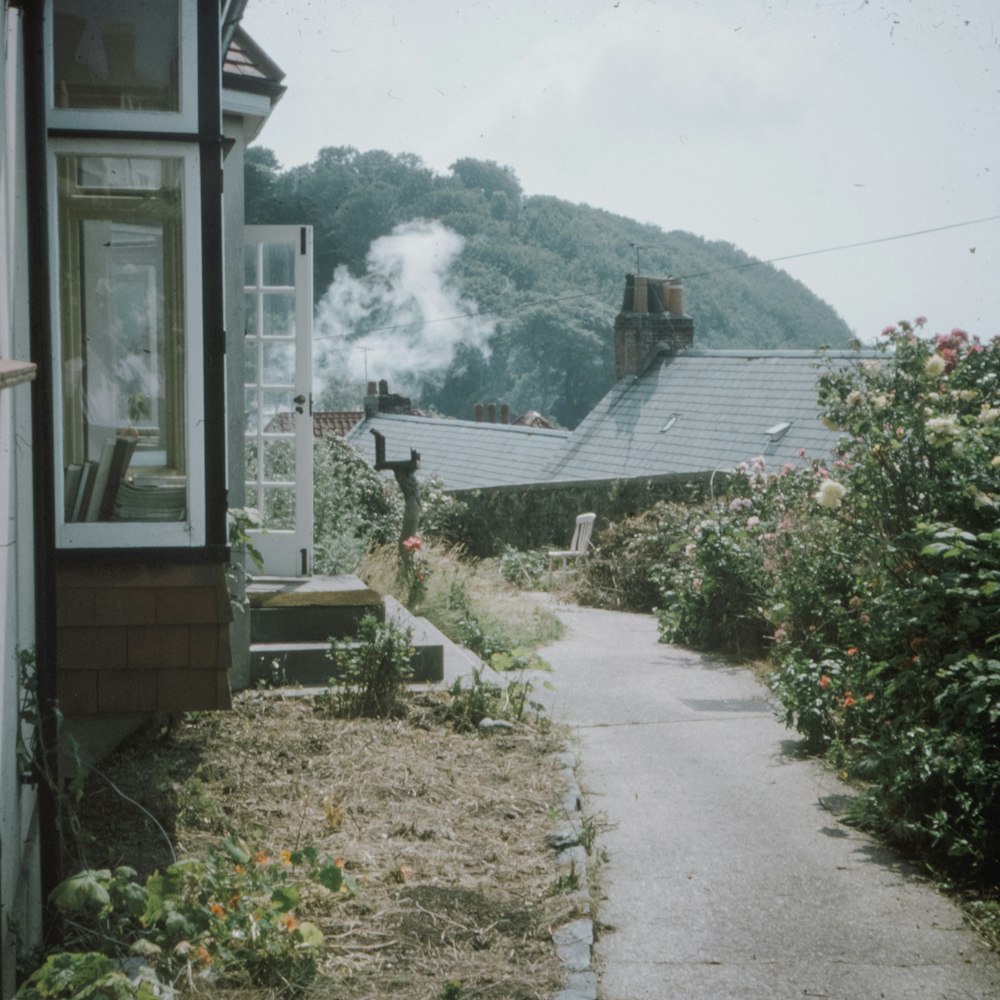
442, 832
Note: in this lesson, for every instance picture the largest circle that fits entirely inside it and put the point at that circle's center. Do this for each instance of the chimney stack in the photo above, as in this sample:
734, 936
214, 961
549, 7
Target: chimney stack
651, 319
384, 401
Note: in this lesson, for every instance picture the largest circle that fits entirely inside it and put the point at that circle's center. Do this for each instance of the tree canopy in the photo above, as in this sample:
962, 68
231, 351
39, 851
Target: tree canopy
547, 274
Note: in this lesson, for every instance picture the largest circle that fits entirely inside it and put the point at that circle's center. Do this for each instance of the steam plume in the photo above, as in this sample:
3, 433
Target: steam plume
404, 319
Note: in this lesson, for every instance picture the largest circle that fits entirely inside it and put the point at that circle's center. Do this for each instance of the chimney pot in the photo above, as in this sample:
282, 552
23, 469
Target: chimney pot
492, 412
372, 389
383, 387
676, 296
504, 413
639, 304
479, 413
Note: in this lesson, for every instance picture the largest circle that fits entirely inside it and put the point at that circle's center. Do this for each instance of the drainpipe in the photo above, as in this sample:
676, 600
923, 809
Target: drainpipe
42, 415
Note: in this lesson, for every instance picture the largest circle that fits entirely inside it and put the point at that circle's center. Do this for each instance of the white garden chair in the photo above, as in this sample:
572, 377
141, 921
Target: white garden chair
578, 546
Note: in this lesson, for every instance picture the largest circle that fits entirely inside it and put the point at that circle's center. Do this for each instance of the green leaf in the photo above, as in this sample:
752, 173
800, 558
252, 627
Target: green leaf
154, 900
285, 898
330, 876
86, 888
312, 936
237, 849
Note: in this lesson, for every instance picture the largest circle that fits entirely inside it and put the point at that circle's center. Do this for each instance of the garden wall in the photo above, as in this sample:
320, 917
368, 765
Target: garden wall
541, 515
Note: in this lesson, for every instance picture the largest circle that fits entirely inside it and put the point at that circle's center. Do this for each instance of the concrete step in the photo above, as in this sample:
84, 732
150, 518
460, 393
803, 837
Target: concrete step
293, 619
309, 609
307, 663
316, 624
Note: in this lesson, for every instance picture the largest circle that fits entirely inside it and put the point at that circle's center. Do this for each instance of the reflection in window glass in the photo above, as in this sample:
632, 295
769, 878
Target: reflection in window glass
122, 328
117, 54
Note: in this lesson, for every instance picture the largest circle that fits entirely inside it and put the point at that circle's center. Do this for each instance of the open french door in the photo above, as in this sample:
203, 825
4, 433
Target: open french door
278, 436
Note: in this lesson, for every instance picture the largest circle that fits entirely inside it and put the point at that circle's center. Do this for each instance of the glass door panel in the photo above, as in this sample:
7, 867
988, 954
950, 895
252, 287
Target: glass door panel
277, 413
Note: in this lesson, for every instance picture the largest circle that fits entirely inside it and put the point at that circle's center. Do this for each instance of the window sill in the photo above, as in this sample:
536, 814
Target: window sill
14, 372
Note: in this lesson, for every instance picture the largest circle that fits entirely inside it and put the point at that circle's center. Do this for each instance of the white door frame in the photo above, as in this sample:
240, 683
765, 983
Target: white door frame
278, 396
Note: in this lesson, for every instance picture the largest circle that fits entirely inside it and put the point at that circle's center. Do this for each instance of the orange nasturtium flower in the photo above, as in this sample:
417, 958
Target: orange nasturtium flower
852, 650
218, 909
848, 700
286, 857
289, 921
261, 858
203, 955
824, 682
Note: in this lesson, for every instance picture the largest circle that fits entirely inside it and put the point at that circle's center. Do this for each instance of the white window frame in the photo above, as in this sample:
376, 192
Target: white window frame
191, 532
184, 120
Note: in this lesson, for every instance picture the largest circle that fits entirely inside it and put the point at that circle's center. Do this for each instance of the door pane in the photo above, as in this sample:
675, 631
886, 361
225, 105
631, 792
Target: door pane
279, 363
279, 507
279, 264
279, 460
279, 314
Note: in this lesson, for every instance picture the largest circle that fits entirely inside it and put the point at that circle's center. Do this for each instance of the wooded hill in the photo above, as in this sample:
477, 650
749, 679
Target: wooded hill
546, 274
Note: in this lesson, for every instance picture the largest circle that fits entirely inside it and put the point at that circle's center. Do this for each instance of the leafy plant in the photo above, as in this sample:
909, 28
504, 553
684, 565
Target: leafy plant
228, 917
524, 568
468, 703
372, 670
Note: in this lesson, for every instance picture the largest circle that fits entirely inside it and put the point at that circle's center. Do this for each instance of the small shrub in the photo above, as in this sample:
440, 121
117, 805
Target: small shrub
469, 703
372, 671
524, 569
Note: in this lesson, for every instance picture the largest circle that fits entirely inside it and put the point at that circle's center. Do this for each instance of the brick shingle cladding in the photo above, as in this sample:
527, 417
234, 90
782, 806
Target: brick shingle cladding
142, 639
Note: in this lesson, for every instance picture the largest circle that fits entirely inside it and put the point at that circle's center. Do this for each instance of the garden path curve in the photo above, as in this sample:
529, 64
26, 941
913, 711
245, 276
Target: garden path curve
729, 874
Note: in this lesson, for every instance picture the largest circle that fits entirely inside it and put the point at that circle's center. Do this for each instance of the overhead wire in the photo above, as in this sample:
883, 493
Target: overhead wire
680, 277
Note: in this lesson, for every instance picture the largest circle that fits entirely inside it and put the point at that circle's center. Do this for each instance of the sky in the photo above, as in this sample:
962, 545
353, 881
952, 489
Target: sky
783, 127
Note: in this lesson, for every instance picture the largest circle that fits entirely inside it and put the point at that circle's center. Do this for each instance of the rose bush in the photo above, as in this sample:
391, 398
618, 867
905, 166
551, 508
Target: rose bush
873, 578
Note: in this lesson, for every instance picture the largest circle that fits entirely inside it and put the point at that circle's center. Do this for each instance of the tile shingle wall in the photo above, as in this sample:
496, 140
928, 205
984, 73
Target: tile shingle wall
142, 638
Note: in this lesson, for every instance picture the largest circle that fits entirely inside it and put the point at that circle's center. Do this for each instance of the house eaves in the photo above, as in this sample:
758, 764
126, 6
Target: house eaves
251, 82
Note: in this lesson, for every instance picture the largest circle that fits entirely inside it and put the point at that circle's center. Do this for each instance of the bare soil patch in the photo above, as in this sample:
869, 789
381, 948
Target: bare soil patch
442, 831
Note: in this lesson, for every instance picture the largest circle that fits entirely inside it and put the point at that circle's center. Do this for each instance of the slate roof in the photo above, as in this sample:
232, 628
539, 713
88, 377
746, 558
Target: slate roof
703, 411
464, 454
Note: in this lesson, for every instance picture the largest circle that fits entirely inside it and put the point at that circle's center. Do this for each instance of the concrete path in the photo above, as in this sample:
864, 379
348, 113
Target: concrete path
729, 875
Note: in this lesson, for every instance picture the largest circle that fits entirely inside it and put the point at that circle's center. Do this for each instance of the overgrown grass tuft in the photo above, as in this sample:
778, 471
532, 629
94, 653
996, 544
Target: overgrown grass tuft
468, 600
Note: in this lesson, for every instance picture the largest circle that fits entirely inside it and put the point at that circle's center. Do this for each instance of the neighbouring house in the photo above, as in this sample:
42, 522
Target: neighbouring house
462, 454
325, 423
121, 338
675, 413
676, 410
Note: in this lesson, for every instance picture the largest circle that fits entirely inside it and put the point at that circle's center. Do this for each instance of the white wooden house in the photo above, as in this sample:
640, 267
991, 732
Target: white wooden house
123, 317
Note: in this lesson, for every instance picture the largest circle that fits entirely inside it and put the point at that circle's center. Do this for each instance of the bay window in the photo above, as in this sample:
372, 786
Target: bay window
128, 277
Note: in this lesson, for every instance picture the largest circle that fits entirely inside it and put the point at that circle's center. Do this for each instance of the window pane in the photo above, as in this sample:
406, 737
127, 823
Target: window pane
279, 363
279, 508
279, 264
279, 314
117, 54
122, 319
279, 460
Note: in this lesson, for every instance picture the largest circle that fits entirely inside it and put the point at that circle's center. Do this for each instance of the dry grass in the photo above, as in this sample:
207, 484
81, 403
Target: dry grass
444, 833
457, 588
